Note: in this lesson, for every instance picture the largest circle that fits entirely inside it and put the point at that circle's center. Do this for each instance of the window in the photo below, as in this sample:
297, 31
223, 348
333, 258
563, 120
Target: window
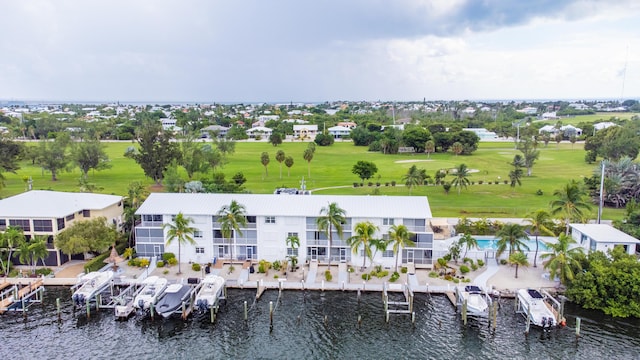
197, 234
21, 223
270, 220
251, 219
583, 238
70, 217
387, 254
387, 221
199, 250
42, 225
292, 234
3, 224
292, 252
86, 213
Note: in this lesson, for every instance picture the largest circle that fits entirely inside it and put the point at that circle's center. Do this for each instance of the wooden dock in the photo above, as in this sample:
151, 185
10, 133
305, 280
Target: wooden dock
19, 294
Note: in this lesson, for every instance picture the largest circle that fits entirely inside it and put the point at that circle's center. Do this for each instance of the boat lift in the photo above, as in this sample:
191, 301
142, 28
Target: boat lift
19, 297
399, 307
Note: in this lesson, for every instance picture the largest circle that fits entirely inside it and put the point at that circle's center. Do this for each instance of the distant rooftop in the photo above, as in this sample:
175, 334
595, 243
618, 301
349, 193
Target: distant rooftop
50, 204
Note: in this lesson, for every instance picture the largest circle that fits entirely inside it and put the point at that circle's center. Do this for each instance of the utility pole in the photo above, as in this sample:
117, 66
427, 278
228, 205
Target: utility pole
601, 201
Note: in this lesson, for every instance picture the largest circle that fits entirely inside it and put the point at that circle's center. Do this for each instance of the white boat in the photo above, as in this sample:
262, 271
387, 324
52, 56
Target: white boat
153, 289
538, 306
172, 300
210, 292
477, 300
90, 285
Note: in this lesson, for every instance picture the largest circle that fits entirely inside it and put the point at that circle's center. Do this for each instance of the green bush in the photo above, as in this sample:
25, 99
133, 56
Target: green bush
144, 262
433, 274
448, 277
466, 280
276, 276
160, 264
503, 261
168, 255
195, 267
276, 265
96, 263
474, 267
455, 280
44, 271
464, 269
404, 269
165, 272
480, 262
467, 260
395, 276
327, 275
366, 277
134, 262
381, 274
261, 269
172, 261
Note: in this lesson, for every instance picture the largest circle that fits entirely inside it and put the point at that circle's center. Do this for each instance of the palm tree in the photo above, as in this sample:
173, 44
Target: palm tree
518, 259
364, 234
181, 232
11, 240
413, 177
264, 159
38, 249
331, 217
378, 245
563, 261
461, 178
457, 148
399, 235
429, 147
512, 236
570, 203
293, 241
280, 156
288, 161
539, 224
136, 194
469, 242
230, 218
308, 156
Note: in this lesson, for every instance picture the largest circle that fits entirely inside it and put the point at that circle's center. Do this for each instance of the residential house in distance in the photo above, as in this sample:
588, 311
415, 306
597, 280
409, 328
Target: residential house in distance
348, 124
603, 237
214, 130
305, 131
339, 132
272, 218
259, 132
47, 213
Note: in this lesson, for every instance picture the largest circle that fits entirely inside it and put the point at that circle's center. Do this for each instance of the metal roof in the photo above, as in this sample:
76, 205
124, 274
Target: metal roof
53, 204
604, 233
411, 207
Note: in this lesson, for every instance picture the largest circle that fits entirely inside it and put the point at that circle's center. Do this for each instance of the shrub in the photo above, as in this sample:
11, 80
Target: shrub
165, 272
455, 280
404, 269
467, 260
393, 183
195, 267
96, 263
327, 275
261, 269
503, 261
350, 269
448, 277
506, 182
172, 261
377, 184
276, 265
366, 277
160, 264
355, 184
474, 267
539, 192
275, 276
370, 183
44, 271
480, 262
381, 274
133, 262
466, 280
144, 262
166, 256
464, 269
386, 184
433, 274
480, 182
395, 276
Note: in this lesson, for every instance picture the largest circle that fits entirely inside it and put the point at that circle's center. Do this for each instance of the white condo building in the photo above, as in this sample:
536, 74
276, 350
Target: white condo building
272, 218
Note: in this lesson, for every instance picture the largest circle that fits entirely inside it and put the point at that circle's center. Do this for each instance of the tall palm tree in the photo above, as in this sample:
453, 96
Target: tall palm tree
364, 234
136, 194
181, 232
230, 218
38, 249
293, 241
461, 177
399, 235
469, 242
539, 224
280, 156
518, 259
570, 203
10, 240
331, 217
511, 236
378, 245
429, 147
413, 177
563, 261
308, 156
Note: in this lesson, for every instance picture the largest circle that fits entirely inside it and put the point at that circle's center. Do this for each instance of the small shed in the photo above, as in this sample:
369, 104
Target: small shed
603, 237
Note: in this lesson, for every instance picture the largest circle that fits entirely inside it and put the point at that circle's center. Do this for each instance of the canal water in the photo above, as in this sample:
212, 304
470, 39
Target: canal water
309, 325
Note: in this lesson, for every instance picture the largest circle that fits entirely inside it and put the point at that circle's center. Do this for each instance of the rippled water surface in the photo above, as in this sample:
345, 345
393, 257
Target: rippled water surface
301, 331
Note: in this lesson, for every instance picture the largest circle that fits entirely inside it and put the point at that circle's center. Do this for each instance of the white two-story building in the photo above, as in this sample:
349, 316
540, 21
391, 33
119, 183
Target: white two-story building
272, 218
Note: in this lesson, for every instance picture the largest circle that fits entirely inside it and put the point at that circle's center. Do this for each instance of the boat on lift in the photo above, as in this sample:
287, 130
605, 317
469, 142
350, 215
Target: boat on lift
174, 296
153, 288
539, 307
477, 301
90, 285
210, 292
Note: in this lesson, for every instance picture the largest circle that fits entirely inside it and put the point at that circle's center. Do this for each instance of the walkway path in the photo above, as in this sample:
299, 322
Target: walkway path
492, 269
313, 269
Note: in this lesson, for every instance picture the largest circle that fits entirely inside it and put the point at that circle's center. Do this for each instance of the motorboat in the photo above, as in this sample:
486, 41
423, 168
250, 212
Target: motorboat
210, 292
90, 285
477, 301
174, 296
153, 288
538, 307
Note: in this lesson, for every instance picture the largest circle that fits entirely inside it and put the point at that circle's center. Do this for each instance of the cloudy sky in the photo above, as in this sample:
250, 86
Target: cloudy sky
295, 50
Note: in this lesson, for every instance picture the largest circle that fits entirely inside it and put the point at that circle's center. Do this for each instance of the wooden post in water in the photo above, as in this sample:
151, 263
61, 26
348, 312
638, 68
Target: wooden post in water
526, 331
271, 315
212, 314
413, 318
578, 321
184, 311
358, 296
464, 312
322, 285
152, 307
24, 308
359, 321
58, 310
302, 284
495, 314
88, 308
98, 298
245, 310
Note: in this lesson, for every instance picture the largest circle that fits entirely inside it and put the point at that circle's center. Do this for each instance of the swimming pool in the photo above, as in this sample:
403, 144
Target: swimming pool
492, 243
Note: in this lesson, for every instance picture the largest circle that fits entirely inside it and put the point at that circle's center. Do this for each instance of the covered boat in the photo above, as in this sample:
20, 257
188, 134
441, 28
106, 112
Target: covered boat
538, 307
174, 296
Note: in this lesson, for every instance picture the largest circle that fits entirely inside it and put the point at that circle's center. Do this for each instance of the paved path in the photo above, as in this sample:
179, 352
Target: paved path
311, 276
492, 269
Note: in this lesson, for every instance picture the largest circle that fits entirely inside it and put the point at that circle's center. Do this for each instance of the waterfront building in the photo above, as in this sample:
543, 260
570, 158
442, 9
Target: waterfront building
47, 213
603, 237
272, 218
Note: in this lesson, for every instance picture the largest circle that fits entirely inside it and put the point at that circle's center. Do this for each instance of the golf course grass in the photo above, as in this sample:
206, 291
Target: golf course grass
331, 174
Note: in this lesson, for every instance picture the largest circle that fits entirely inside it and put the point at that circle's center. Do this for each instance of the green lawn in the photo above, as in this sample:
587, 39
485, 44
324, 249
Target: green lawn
595, 118
331, 166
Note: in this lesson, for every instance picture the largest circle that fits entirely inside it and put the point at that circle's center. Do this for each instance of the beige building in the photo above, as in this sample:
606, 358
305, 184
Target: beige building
47, 213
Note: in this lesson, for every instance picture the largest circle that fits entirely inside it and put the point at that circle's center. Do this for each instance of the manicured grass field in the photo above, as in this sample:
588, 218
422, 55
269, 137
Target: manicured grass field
595, 118
331, 167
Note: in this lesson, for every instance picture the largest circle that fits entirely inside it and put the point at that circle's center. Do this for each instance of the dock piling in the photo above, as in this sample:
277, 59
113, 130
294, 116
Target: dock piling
464, 312
245, 310
271, 315
578, 321
58, 309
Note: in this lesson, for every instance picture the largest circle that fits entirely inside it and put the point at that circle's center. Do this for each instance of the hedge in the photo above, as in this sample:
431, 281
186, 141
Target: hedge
98, 263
